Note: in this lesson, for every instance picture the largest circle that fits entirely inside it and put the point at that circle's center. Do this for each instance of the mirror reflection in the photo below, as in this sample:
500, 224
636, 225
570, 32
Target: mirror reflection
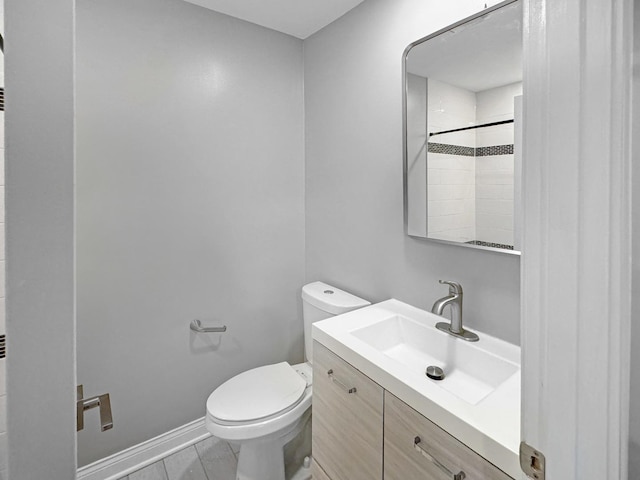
463, 118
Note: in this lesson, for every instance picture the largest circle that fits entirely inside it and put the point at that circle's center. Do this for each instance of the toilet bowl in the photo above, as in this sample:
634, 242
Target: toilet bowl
264, 408
262, 420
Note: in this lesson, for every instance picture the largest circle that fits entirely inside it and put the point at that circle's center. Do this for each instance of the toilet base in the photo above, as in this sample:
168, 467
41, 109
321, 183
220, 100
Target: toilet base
263, 458
303, 472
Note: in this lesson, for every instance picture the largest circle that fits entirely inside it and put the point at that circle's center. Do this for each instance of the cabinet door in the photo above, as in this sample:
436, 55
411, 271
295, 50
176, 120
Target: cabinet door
404, 459
347, 427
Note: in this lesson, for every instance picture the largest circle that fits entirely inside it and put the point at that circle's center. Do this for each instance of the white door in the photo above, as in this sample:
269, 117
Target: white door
576, 250
39, 127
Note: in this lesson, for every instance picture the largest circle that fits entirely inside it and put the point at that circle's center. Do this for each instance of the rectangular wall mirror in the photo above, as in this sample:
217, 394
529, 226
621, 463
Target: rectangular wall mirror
462, 132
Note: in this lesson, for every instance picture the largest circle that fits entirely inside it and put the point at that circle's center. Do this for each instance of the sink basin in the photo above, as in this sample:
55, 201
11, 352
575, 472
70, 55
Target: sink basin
471, 373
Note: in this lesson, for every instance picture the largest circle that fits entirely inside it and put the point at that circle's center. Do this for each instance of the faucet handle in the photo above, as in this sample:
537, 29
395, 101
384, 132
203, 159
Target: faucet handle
454, 287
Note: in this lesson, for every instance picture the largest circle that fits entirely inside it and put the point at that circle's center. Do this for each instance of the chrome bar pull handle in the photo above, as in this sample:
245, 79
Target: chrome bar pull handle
454, 476
102, 402
106, 419
340, 384
79, 408
196, 326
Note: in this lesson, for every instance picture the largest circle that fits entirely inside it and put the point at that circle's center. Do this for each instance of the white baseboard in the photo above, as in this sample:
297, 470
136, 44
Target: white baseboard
122, 463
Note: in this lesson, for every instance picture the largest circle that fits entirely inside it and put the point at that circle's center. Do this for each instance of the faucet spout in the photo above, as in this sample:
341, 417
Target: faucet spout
454, 301
441, 303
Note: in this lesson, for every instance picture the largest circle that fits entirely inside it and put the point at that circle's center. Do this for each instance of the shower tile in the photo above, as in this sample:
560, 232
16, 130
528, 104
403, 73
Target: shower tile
217, 458
155, 471
185, 465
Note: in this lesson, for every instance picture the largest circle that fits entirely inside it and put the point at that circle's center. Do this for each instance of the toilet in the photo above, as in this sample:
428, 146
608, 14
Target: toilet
264, 408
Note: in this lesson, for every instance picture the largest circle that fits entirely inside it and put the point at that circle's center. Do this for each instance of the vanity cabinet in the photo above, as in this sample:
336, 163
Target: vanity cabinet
347, 419
355, 434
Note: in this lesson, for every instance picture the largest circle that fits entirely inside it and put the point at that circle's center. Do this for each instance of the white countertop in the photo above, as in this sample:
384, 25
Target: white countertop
491, 427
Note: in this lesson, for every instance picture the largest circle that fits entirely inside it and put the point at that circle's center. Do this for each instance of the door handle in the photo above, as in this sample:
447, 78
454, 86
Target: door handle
103, 402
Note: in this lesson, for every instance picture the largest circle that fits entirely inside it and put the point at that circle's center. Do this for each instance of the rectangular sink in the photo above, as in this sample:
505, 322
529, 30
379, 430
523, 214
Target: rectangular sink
471, 373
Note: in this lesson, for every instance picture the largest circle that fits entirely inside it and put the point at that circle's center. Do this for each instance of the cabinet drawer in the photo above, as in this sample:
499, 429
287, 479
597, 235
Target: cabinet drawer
347, 427
403, 460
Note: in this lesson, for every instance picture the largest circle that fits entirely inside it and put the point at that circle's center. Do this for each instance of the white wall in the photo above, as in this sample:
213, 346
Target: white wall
354, 202
190, 205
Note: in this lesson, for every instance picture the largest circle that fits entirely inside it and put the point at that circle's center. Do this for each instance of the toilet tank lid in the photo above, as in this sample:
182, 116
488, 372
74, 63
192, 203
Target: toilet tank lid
331, 299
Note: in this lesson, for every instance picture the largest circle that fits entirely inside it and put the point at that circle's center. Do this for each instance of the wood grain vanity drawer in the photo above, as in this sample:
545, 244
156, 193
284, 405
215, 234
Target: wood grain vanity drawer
403, 459
347, 419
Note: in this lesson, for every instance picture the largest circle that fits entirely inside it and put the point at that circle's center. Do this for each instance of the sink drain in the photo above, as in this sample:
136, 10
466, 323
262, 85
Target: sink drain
435, 373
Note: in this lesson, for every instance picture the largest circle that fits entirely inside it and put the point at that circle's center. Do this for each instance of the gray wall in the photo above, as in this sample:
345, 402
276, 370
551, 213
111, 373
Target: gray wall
354, 221
190, 204
634, 411
40, 276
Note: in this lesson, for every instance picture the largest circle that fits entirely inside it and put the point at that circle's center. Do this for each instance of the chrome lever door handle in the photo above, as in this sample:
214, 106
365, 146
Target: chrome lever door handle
340, 384
454, 476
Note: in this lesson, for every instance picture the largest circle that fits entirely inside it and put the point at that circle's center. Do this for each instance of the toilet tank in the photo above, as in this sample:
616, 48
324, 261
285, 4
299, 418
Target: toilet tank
320, 301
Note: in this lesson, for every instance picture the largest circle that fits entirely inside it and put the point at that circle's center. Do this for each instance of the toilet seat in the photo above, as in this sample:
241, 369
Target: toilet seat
241, 431
257, 395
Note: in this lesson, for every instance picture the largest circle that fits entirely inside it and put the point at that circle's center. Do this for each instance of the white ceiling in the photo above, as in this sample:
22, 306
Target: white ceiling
300, 18
484, 54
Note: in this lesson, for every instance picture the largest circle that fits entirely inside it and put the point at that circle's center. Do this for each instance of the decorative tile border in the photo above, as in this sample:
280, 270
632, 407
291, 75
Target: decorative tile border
469, 151
490, 244
450, 149
494, 150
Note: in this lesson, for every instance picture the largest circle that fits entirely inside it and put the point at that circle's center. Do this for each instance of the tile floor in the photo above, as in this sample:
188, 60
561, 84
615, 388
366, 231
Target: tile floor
211, 459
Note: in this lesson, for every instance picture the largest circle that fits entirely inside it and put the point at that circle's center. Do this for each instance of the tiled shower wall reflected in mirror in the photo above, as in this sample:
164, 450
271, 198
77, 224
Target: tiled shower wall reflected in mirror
3, 391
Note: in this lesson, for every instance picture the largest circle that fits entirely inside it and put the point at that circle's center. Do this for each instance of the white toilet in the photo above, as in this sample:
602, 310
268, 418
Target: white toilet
264, 408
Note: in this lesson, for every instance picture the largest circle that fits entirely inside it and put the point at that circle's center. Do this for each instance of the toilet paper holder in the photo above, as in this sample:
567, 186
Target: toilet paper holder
196, 326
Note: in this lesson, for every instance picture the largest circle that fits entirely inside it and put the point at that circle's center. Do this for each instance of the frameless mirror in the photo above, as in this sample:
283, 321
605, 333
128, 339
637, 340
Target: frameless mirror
462, 132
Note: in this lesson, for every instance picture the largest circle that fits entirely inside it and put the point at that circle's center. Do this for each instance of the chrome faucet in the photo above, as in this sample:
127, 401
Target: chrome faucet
454, 300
